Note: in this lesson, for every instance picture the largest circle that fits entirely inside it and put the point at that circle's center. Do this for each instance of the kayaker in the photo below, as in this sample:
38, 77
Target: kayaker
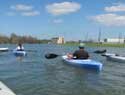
79, 54
20, 47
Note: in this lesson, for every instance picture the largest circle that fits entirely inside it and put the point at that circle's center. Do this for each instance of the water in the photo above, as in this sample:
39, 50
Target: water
35, 75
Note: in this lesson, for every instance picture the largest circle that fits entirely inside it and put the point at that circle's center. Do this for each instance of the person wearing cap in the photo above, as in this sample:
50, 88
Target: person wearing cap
79, 54
20, 47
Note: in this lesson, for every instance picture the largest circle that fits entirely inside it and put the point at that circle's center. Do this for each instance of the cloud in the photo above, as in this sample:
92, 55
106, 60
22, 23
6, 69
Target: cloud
117, 8
57, 21
21, 7
63, 8
110, 19
23, 10
30, 13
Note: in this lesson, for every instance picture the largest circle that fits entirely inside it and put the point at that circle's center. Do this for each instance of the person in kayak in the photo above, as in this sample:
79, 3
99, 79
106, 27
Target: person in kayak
79, 54
20, 47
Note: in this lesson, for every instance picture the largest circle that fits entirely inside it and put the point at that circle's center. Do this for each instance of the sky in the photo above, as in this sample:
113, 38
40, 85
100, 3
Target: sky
72, 19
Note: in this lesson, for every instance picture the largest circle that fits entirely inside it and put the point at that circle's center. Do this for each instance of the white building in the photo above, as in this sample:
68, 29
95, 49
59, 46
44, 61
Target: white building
58, 40
114, 40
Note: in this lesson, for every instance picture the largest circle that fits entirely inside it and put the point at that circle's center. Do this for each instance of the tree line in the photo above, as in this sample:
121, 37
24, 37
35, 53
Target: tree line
14, 39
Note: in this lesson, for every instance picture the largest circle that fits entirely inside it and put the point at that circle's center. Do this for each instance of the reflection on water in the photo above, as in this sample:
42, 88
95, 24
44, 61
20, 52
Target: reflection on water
39, 76
19, 58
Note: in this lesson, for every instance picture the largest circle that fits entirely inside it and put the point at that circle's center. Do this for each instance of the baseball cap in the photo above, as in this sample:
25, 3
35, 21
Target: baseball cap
81, 45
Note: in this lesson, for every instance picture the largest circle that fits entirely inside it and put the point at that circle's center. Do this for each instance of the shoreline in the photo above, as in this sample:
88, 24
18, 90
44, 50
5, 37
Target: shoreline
118, 45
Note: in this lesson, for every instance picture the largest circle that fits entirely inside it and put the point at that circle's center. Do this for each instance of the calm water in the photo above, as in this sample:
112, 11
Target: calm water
35, 75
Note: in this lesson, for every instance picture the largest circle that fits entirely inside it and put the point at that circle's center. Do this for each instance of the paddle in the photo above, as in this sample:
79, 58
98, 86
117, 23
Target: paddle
104, 55
51, 55
31, 50
100, 51
28, 50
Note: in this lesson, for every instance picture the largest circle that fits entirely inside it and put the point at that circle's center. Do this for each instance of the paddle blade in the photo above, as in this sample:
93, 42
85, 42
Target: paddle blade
50, 56
100, 51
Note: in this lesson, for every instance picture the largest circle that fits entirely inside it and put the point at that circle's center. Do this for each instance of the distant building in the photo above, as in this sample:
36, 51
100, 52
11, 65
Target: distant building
58, 40
54, 40
114, 40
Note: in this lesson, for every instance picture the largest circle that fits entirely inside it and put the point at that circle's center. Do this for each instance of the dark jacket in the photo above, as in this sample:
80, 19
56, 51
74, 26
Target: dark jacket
81, 54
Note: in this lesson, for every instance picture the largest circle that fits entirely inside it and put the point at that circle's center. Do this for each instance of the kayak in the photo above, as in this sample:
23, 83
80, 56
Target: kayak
84, 63
109, 54
116, 58
3, 49
19, 53
4, 90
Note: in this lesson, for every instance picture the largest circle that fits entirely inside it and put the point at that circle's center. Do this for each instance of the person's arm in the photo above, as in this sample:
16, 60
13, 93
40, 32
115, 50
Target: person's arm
75, 54
22, 48
87, 55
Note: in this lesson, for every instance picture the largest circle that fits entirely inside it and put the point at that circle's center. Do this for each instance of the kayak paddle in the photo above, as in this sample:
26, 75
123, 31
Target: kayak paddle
100, 51
51, 55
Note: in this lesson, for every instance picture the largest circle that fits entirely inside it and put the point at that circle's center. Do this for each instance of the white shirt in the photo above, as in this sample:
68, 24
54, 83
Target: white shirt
18, 48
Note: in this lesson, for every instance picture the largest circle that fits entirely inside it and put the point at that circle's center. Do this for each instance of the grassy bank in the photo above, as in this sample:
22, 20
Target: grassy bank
98, 44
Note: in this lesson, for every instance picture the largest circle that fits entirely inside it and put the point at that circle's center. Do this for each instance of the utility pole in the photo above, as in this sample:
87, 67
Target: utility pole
99, 35
86, 37
120, 34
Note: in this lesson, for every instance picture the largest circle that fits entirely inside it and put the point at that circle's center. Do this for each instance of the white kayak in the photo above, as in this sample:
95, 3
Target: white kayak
108, 54
19, 53
116, 58
84, 63
3, 49
4, 90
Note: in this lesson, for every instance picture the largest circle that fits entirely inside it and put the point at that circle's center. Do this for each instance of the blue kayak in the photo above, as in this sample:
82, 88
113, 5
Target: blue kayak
84, 63
19, 53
